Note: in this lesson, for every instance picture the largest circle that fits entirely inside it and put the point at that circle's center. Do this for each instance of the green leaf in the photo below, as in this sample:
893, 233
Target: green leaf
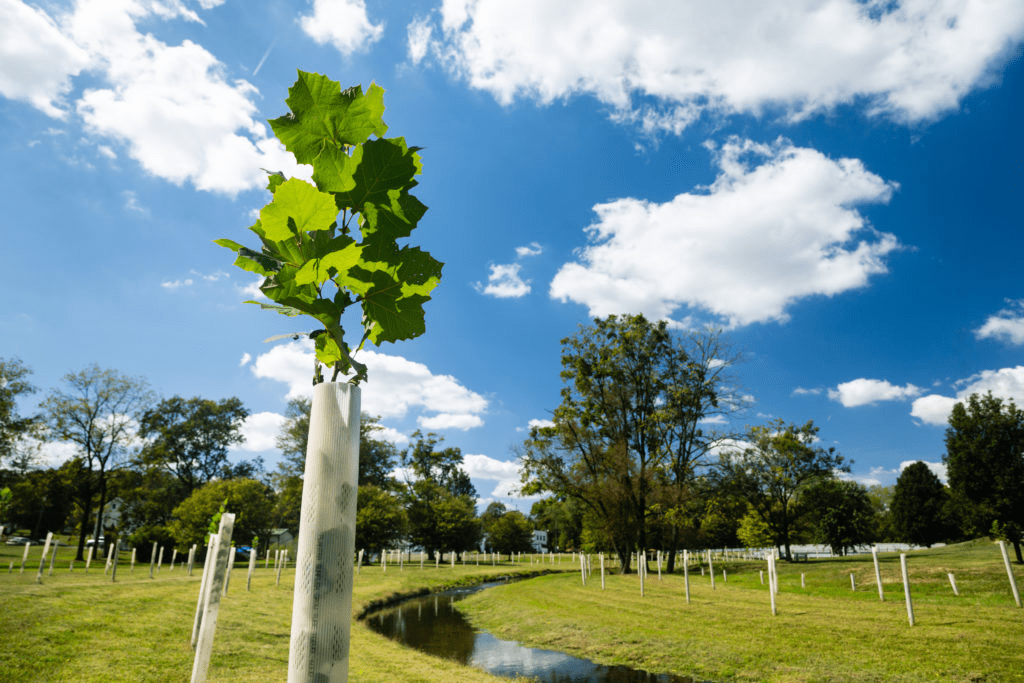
334, 168
319, 270
322, 114
386, 165
297, 207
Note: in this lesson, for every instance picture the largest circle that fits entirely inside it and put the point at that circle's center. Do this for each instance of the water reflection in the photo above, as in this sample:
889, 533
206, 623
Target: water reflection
444, 632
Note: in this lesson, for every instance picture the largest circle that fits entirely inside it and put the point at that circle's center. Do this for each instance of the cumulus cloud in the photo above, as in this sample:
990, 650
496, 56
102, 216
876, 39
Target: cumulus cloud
171, 106
1006, 325
861, 392
665, 63
37, 60
1005, 383
396, 386
531, 249
260, 431
937, 468
342, 23
505, 282
504, 474
778, 224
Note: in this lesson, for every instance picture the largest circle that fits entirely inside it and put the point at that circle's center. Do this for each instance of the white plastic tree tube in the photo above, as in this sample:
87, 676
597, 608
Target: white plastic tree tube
1009, 573
42, 560
204, 586
322, 606
204, 645
878, 574
252, 568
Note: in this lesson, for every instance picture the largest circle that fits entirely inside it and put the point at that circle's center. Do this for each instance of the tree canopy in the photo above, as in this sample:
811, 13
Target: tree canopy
985, 464
778, 465
920, 506
13, 384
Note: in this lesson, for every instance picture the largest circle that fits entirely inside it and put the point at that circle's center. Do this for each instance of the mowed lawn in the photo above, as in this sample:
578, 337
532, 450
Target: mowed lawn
82, 627
823, 632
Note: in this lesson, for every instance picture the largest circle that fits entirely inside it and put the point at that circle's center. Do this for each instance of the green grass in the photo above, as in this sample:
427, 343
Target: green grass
81, 627
824, 632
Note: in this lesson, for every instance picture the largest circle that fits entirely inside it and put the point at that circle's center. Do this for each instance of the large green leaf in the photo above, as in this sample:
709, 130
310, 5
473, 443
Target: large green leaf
322, 114
297, 207
386, 165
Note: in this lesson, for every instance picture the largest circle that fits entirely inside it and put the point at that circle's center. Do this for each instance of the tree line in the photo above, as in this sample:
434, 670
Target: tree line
164, 463
639, 454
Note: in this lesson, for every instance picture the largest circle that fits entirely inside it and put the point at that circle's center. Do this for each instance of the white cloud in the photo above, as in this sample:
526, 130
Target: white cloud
260, 431
505, 282
1005, 383
912, 60
246, 358
531, 249
395, 387
862, 391
176, 284
342, 23
37, 60
540, 424
173, 107
1006, 325
505, 474
801, 391
760, 238
419, 39
131, 203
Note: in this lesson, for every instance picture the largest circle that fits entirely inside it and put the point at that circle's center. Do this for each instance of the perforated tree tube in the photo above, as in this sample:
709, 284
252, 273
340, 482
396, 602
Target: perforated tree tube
322, 607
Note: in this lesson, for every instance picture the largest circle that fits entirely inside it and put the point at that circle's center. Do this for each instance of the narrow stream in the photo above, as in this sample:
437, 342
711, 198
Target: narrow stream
433, 625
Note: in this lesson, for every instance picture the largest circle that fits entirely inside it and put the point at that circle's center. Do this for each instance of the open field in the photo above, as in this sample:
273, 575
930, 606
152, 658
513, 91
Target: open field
78, 627
824, 632
82, 627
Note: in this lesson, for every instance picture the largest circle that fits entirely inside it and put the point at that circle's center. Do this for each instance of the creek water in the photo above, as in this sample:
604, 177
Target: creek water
432, 624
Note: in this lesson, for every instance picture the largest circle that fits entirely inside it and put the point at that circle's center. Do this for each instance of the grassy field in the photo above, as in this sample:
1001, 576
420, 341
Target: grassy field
81, 627
823, 632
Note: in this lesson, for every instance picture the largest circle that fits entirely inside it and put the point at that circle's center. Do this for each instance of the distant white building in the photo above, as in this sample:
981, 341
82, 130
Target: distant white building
540, 541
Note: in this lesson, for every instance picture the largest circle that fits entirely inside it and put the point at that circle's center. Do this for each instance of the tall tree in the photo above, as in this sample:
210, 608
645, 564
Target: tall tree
98, 412
629, 426
919, 506
189, 438
780, 463
841, 513
13, 384
250, 500
440, 497
380, 519
510, 533
985, 464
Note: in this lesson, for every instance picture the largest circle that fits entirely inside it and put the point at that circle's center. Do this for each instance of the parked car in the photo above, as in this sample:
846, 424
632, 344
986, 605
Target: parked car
242, 552
19, 540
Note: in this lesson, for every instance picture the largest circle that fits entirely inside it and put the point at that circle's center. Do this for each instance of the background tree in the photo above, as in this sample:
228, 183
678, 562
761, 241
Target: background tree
251, 501
13, 384
98, 412
510, 533
841, 513
881, 502
488, 517
381, 521
562, 519
627, 393
189, 438
919, 506
41, 501
772, 472
440, 497
985, 464
752, 531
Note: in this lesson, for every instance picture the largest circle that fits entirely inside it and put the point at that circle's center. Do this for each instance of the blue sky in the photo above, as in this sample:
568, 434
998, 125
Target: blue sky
836, 184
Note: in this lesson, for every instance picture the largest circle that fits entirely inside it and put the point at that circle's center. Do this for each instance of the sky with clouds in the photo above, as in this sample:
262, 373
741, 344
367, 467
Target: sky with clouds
836, 184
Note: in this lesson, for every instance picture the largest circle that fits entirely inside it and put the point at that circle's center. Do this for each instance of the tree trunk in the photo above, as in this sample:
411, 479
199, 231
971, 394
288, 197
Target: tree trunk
1016, 549
625, 559
84, 526
671, 565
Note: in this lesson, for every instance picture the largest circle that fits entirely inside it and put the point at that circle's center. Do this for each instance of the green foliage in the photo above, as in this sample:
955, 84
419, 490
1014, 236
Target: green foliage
189, 438
439, 497
778, 466
334, 243
510, 533
985, 463
753, 532
841, 513
628, 433
251, 501
380, 519
13, 384
920, 506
